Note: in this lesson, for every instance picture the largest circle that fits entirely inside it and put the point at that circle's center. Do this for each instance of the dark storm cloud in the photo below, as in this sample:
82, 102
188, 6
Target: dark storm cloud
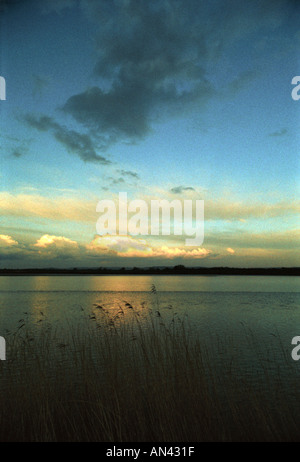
181, 189
149, 55
154, 57
80, 144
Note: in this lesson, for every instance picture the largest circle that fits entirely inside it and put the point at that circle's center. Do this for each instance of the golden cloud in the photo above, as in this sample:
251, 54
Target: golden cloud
58, 241
59, 208
57, 246
7, 241
126, 246
230, 250
83, 210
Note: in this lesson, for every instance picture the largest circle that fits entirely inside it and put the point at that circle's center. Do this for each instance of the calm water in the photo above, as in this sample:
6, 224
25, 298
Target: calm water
143, 283
213, 303
224, 310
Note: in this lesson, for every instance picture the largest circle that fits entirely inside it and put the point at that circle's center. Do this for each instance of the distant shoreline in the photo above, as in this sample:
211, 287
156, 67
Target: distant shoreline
167, 271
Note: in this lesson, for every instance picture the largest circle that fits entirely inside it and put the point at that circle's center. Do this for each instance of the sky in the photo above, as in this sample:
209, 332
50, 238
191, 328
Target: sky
164, 100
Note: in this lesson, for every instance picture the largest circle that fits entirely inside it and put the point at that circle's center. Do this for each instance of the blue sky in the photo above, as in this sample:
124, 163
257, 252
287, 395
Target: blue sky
163, 99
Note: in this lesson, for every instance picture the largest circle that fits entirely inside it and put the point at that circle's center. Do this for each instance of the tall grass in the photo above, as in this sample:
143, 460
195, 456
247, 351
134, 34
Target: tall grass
135, 376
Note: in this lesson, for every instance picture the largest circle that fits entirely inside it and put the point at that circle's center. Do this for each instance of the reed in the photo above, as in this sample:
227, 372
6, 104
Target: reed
136, 375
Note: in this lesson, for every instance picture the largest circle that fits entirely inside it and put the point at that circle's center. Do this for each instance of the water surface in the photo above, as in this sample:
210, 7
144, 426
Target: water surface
227, 312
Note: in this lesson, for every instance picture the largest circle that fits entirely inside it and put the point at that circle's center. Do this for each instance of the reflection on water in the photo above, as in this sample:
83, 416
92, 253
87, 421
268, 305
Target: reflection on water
247, 322
143, 283
224, 312
214, 303
218, 304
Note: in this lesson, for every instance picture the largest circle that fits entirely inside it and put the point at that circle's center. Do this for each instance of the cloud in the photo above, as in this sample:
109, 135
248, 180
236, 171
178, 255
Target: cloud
7, 241
115, 181
276, 240
84, 210
178, 252
126, 246
117, 244
17, 153
80, 144
151, 65
57, 246
228, 210
181, 189
281, 132
47, 247
265, 249
37, 206
155, 59
230, 250
129, 173
59, 241
9, 247
15, 145
52, 247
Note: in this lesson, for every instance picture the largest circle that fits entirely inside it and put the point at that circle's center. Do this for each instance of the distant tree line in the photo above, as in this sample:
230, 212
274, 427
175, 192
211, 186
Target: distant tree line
175, 270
